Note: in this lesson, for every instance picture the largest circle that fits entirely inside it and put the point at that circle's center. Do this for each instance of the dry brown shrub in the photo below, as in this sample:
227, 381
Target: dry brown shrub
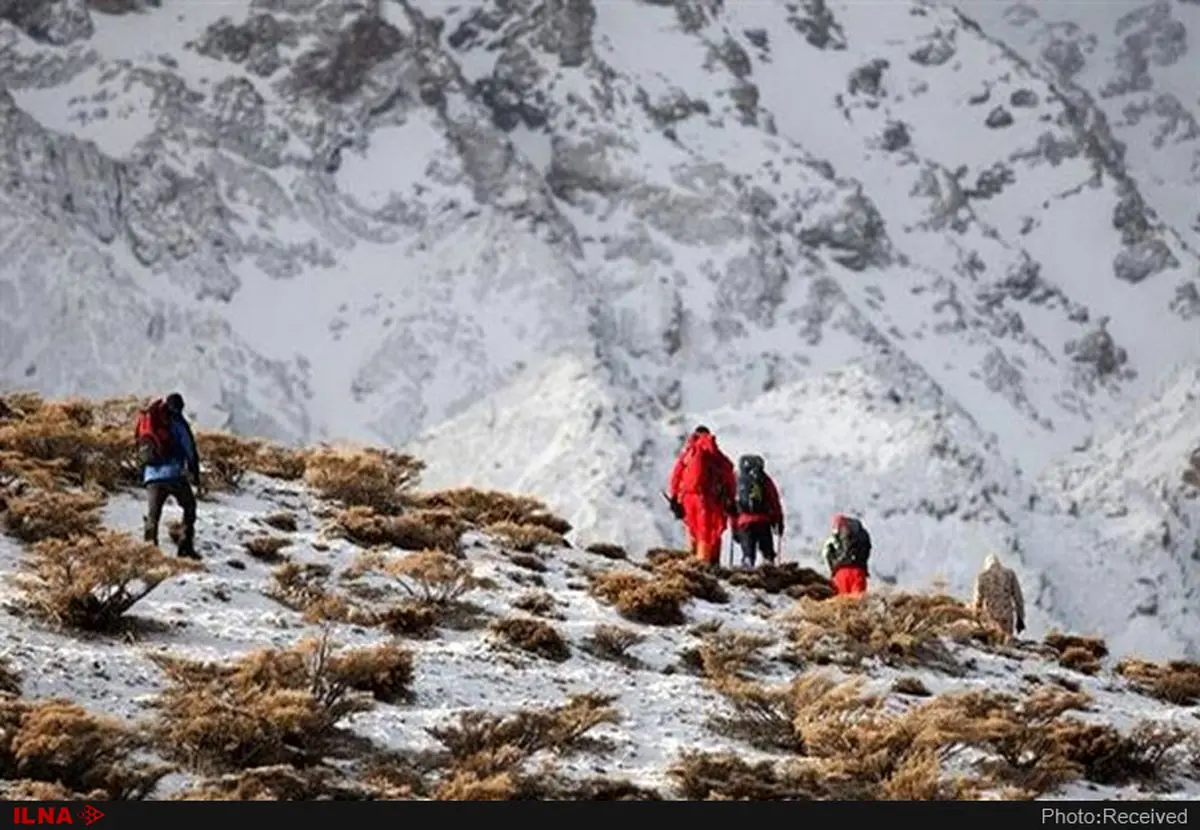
490, 507
526, 538
783, 578
266, 548
854, 748
534, 636
1148, 755
897, 629
652, 601
273, 706
282, 520
300, 586
51, 514
1059, 643
1081, 654
612, 642
912, 686
59, 742
429, 577
608, 551
77, 442
696, 580
10, 678
25, 789
369, 477
412, 530
408, 619
19, 403
227, 458
487, 751
1177, 681
17, 471
724, 776
281, 782
539, 603
731, 654
91, 582
528, 561
656, 557
558, 788
1080, 660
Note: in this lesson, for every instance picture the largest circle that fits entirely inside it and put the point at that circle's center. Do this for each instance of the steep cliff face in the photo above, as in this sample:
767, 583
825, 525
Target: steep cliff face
536, 240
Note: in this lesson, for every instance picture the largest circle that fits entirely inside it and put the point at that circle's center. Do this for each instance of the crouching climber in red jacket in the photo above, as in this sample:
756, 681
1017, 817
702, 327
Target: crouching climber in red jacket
846, 552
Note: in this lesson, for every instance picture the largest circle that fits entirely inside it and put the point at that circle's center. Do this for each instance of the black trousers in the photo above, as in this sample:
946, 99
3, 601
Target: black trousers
754, 539
157, 493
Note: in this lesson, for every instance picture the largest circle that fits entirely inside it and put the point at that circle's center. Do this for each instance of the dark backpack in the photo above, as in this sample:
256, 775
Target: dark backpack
854, 544
752, 485
152, 432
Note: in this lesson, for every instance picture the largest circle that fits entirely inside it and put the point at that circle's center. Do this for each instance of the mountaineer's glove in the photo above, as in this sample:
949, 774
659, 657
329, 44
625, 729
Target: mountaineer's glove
1020, 626
677, 509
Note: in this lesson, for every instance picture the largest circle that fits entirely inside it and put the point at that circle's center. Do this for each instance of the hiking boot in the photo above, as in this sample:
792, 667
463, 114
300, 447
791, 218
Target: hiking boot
187, 552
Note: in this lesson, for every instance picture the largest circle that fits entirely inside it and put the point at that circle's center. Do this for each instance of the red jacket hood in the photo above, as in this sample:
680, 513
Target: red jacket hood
703, 442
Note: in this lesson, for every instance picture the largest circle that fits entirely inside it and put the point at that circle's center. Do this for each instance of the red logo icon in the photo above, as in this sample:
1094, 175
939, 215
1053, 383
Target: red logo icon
90, 814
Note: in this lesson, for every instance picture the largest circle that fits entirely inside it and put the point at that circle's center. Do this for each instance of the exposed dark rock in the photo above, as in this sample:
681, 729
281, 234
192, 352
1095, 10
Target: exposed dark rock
123, 6
935, 51
999, 118
255, 43
567, 31
1098, 351
895, 137
761, 39
1143, 259
56, 22
1186, 302
814, 20
339, 70
1023, 98
868, 78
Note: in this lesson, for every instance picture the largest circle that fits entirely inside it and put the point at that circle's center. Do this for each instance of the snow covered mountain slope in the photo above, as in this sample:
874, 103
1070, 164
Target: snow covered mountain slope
536, 242
1128, 509
1137, 60
685, 705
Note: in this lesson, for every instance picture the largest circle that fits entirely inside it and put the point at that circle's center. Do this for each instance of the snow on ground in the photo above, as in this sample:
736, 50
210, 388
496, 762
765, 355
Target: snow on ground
221, 613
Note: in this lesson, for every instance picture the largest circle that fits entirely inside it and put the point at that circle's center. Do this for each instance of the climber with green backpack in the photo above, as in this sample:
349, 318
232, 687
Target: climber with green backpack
759, 511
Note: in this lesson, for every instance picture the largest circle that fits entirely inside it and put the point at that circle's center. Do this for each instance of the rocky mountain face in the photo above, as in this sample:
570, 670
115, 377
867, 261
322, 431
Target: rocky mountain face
537, 239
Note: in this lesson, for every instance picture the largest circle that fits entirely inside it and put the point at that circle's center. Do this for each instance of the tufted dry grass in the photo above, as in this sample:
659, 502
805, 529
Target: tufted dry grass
273, 706
37, 515
487, 753
897, 629
491, 507
59, 749
1177, 681
651, 600
91, 582
849, 744
412, 530
363, 477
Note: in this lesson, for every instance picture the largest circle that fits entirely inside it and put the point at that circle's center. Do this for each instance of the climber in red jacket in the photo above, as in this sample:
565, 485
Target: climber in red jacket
702, 493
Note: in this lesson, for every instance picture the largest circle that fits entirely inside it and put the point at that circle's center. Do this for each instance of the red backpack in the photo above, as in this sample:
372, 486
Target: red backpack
152, 431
